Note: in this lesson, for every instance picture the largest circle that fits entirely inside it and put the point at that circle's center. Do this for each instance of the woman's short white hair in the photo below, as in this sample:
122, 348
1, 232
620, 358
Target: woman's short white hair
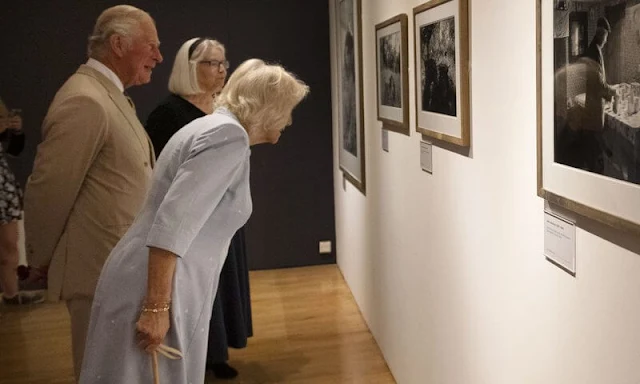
184, 75
262, 95
123, 20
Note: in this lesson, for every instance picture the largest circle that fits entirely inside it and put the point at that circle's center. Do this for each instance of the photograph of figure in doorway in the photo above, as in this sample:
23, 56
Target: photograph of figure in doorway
438, 67
391, 86
597, 87
348, 80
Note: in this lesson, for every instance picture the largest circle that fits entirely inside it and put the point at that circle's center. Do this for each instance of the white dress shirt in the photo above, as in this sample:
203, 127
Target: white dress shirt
98, 66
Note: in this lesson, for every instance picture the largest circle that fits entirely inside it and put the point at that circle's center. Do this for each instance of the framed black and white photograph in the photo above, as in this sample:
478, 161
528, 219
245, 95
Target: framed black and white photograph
589, 108
392, 74
350, 107
442, 70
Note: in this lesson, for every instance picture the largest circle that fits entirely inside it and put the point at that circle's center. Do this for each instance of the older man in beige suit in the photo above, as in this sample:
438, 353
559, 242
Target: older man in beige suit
93, 167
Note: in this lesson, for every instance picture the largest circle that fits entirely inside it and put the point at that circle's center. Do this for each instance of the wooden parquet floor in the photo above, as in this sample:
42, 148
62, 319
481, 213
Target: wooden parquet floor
307, 329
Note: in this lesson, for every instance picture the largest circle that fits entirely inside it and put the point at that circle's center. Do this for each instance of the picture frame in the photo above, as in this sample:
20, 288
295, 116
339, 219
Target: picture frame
588, 147
348, 33
441, 54
392, 74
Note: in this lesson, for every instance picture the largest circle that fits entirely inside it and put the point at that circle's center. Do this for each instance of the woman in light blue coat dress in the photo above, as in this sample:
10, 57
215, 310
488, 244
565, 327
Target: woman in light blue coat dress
157, 286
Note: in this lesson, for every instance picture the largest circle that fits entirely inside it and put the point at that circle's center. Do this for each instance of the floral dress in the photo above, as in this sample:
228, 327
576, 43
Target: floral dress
10, 192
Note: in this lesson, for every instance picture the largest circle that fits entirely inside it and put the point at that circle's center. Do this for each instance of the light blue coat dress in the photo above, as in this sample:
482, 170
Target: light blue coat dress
199, 198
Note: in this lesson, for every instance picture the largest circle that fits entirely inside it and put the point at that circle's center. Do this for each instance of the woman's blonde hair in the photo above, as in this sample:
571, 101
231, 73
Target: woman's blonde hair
184, 74
261, 95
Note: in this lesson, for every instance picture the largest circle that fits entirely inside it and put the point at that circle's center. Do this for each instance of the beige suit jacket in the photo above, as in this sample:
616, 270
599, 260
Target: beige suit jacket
90, 178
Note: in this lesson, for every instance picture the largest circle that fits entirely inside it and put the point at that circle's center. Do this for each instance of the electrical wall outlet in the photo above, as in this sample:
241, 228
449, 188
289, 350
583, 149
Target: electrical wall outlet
324, 246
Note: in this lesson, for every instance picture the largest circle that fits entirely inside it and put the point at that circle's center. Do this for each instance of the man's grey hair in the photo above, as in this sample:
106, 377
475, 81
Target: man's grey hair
123, 20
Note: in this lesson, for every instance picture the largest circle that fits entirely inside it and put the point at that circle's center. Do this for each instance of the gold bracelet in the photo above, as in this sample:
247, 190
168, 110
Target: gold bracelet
156, 307
155, 310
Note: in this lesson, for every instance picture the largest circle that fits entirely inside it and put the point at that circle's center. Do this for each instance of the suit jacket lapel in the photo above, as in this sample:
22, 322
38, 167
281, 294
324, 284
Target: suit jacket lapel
120, 100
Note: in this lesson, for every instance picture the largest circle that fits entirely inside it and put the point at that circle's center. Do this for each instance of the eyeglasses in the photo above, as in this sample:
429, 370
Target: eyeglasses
216, 63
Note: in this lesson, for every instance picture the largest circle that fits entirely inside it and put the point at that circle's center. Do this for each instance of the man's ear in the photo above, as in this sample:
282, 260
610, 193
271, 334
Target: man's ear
117, 44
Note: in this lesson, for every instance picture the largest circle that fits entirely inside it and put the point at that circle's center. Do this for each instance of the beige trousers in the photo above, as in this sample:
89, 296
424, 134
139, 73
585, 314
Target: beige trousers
80, 313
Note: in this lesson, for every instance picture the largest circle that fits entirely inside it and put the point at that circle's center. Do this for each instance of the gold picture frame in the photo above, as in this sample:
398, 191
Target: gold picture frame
348, 32
392, 74
441, 54
580, 191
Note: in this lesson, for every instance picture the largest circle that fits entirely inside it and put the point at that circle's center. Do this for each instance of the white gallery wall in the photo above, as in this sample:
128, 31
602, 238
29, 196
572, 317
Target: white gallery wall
447, 268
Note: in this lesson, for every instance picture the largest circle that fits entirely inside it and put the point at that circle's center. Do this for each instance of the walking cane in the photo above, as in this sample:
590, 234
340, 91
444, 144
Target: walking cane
168, 352
156, 374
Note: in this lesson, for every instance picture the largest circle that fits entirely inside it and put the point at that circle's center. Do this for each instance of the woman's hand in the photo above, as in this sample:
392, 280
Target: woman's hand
15, 123
152, 327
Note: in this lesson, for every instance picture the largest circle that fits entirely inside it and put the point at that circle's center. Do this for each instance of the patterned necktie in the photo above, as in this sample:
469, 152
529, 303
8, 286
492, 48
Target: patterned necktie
130, 102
